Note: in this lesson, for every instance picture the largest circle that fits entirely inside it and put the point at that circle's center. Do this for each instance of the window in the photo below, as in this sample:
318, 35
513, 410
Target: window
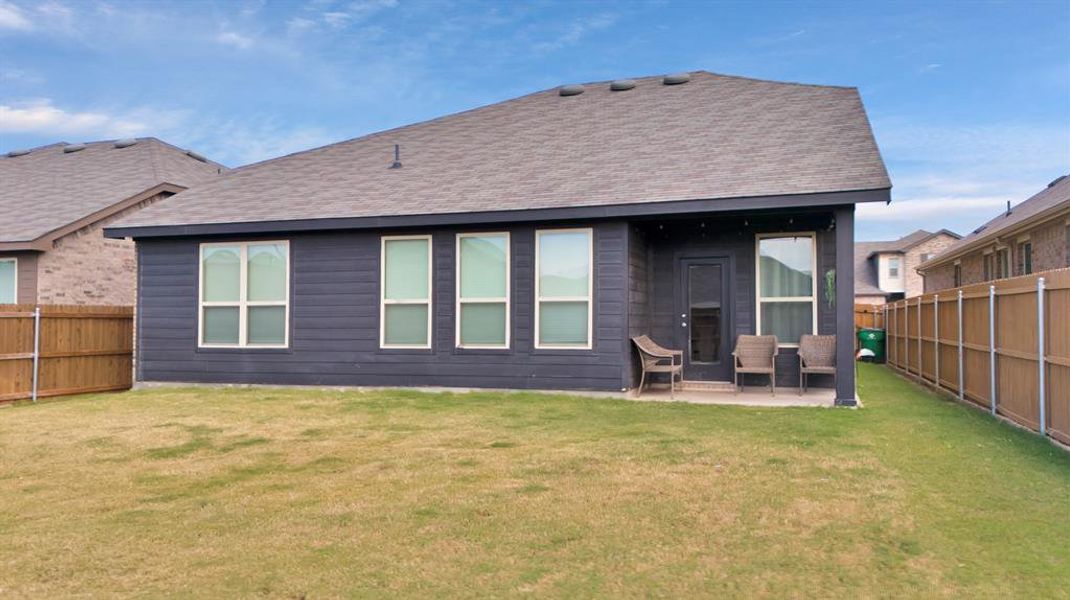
483, 290
1025, 258
787, 292
988, 262
958, 275
244, 296
9, 280
1003, 263
893, 267
563, 288
926, 256
405, 311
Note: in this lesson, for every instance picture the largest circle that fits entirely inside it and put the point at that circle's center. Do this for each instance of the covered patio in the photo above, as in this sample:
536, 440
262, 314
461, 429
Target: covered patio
698, 283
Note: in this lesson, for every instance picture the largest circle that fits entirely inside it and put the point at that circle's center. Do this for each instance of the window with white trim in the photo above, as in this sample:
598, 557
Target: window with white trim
786, 288
405, 307
483, 290
245, 295
564, 287
9, 280
1025, 257
893, 267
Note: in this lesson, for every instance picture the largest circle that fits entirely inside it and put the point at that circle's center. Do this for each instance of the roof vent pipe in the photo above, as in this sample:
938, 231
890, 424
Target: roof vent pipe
73, 148
1008, 208
397, 157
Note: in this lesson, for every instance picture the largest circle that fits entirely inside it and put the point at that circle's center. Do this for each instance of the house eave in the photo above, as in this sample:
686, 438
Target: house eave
634, 210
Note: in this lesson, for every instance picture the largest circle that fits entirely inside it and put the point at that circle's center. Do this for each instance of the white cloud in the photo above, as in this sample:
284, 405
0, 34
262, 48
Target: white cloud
42, 118
12, 17
235, 39
576, 31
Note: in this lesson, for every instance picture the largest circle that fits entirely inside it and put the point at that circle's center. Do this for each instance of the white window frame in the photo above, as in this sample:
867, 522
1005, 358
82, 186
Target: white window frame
494, 300
589, 298
384, 302
898, 267
243, 303
15, 285
758, 300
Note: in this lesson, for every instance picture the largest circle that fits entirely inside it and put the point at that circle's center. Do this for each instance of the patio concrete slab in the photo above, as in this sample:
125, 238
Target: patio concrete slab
752, 397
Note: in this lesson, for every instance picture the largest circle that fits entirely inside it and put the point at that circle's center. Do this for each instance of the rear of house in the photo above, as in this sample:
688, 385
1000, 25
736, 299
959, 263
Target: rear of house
521, 244
56, 201
1030, 237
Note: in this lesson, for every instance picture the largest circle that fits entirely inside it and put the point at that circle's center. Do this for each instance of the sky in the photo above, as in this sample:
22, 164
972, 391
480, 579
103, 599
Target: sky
969, 101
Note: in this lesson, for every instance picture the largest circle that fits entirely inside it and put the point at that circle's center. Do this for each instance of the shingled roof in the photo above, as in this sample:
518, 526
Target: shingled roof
1053, 198
713, 137
47, 188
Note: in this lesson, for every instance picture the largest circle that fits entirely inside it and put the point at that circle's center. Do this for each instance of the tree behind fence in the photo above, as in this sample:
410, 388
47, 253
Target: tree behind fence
983, 343
82, 349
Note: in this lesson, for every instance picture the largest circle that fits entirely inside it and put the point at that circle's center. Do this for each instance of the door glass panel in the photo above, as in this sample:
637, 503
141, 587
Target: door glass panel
704, 304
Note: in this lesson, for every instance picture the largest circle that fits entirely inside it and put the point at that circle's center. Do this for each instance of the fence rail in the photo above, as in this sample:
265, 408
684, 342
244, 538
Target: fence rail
1003, 345
59, 350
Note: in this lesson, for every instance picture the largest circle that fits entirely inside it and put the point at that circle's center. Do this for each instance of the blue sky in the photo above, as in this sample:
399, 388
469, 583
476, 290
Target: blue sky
970, 102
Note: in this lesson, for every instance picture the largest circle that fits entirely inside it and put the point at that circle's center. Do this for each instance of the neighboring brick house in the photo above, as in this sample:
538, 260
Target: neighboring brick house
1031, 237
56, 199
887, 270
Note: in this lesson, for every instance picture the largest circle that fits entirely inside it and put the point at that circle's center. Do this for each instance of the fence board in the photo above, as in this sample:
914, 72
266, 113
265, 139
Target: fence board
923, 341
82, 349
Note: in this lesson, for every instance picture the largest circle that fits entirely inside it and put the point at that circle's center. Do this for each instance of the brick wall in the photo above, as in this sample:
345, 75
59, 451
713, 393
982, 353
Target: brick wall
84, 267
1049, 246
915, 284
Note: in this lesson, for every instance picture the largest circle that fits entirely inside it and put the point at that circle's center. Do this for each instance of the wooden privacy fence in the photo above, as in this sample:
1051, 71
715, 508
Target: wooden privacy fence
869, 316
1004, 346
59, 350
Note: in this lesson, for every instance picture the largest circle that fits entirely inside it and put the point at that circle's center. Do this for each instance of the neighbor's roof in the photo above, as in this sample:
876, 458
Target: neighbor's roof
866, 271
714, 137
1050, 200
47, 188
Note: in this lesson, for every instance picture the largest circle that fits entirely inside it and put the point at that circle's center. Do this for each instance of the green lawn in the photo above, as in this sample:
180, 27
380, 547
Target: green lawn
290, 494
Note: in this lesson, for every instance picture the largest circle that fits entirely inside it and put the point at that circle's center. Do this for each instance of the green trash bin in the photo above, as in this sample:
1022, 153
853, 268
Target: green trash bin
873, 340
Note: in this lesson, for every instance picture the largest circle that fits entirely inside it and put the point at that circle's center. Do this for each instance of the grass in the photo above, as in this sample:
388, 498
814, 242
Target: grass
294, 494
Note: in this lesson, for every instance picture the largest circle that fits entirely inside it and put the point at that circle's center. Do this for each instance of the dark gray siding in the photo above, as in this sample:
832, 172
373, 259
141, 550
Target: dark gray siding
639, 297
335, 320
668, 241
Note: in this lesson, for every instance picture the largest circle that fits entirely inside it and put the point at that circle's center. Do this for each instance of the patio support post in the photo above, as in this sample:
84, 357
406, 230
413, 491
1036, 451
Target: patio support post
1040, 355
845, 325
962, 377
992, 346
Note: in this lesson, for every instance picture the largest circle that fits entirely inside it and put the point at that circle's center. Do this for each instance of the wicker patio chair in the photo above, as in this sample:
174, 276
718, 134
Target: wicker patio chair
817, 354
755, 354
652, 356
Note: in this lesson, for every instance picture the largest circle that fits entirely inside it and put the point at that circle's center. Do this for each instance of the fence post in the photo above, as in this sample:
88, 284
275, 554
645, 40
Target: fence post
992, 346
921, 368
36, 350
936, 339
962, 377
1040, 354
